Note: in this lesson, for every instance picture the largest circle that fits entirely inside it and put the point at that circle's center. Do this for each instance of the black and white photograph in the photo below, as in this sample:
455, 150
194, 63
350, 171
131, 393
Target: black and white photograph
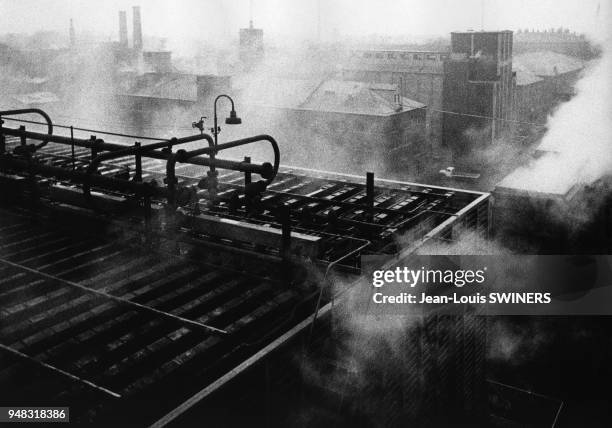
306, 213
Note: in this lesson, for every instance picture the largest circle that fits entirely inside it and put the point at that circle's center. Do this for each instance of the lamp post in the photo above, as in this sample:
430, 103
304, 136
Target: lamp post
233, 119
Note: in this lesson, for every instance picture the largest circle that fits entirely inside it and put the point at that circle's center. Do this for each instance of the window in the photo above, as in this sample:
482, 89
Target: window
417, 57
367, 55
379, 55
390, 55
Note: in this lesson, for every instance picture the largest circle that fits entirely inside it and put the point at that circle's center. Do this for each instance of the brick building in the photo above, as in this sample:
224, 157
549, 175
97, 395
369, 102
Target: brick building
560, 41
251, 46
345, 126
474, 78
418, 74
479, 85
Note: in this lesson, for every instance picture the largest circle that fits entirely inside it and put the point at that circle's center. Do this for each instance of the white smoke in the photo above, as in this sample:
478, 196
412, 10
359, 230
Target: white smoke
578, 144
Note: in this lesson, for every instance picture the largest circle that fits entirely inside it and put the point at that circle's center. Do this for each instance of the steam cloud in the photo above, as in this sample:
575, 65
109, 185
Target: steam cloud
578, 138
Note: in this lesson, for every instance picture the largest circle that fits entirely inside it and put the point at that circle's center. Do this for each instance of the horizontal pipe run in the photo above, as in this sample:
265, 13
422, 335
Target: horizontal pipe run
132, 150
37, 111
99, 144
260, 169
237, 143
137, 149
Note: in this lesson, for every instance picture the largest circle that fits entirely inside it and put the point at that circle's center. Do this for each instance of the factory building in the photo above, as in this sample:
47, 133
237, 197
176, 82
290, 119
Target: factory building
72, 35
418, 74
251, 46
559, 40
479, 84
543, 80
329, 121
474, 78
137, 31
161, 303
123, 34
158, 61
158, 96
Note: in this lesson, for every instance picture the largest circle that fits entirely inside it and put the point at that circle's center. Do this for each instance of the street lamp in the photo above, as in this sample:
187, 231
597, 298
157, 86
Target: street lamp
233, 119
211, 181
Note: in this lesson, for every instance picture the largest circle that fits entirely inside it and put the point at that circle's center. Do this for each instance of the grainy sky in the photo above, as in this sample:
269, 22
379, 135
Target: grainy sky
206, 18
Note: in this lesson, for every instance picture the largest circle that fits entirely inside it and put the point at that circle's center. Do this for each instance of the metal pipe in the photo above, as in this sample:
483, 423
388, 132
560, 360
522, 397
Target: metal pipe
2, 138
285, 220
100, 144
266, 170
72, 145
32, 110
171, 179
247, 175
241, 142
263, 169
216, 129
137, 163
370, 194
330, 265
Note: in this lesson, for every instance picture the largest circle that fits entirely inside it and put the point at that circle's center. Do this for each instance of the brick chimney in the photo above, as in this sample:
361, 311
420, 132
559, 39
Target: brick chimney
137, 28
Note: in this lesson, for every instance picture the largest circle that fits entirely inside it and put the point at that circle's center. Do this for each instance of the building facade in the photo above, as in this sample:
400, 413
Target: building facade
344, 126
418, 74
478, 88
251, 46
560, 41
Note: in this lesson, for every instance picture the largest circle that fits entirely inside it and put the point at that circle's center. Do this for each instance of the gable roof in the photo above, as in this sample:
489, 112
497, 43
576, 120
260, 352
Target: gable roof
328, 95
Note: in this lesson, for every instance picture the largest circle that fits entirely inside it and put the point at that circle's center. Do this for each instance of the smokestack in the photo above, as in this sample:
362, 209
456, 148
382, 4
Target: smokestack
123, 36
72, 34
137, 28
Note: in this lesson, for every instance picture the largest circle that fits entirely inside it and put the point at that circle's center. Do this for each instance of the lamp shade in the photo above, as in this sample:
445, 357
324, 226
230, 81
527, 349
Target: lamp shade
233, 119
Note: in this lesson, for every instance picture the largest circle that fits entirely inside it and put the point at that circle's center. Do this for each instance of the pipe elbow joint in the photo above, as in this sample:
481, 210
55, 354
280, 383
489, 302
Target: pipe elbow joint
267, 171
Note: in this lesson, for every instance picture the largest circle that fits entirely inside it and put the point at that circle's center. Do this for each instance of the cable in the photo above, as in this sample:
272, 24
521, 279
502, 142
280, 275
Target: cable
485, 117
162, 127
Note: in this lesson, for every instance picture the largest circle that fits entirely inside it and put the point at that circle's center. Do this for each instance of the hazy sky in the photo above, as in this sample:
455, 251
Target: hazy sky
205, 18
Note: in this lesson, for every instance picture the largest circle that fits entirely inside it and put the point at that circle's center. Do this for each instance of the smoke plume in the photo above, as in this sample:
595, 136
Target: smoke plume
577, 144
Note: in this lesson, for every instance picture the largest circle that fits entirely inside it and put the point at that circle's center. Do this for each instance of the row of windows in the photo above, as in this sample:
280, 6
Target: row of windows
406, 56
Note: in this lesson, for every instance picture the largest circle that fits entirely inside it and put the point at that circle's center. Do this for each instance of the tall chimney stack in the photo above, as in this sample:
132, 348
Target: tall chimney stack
137, 28
123, 36
72, 34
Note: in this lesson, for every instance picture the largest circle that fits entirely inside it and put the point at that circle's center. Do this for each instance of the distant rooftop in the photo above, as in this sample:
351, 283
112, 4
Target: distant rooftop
397, 60
329, 95
358, 98
526, 77
481, 32
181, 87
545, 63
